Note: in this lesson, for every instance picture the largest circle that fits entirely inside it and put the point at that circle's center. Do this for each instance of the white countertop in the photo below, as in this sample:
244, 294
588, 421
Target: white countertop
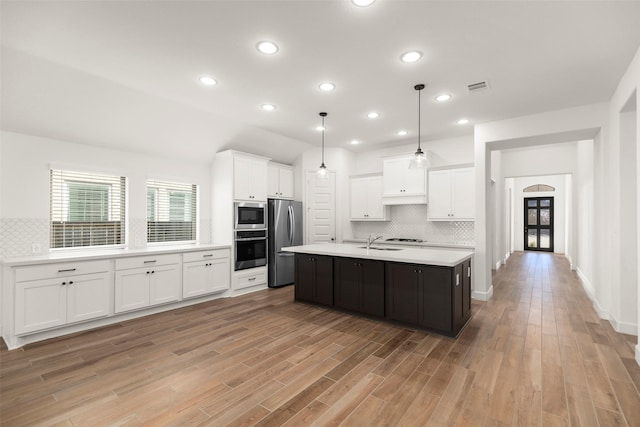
428, 256
96, 254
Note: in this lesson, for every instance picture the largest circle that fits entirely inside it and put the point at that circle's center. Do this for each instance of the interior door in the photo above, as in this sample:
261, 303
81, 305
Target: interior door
321, 208
538, 224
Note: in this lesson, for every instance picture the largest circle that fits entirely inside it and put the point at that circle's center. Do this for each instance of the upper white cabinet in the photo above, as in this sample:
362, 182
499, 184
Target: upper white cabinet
366, 199
401, 185
451, 195
279, 181
54, 295
249, 178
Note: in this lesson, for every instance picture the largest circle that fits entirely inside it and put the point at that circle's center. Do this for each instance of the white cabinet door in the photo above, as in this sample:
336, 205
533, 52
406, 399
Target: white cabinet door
242, 178
439, 195
359, 190
463, 193
393, 176
273, 181
249, 179
219, 275
40, 304
88, 297
164, 284
285, 177
132, 289
414, 180
375, 209
195, 277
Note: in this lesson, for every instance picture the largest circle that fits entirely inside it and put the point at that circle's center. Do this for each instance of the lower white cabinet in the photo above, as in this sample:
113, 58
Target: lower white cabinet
249, 278
63, 297
146, 281
206, 272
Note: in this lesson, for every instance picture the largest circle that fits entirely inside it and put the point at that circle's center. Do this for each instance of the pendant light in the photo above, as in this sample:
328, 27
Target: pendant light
322, 170
419, 159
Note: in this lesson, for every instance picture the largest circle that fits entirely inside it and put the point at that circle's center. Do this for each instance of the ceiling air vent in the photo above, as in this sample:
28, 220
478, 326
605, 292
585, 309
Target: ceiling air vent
475, 87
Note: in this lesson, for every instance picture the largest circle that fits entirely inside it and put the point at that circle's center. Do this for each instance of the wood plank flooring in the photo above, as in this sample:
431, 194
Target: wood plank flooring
536, 354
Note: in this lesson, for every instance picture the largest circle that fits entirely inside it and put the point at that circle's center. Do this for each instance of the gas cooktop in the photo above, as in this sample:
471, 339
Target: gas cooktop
399, 239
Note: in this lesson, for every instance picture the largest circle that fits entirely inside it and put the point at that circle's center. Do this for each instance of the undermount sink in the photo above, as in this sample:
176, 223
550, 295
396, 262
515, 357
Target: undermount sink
381, 249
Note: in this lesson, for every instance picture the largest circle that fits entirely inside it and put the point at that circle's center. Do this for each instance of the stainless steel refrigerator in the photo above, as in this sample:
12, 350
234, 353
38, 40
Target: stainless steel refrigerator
284, 229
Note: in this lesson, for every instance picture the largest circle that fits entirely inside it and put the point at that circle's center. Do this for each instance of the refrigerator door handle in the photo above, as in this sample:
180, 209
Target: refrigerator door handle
291, 218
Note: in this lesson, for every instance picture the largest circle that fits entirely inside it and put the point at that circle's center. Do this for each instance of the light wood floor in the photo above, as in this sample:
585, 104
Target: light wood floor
536, 354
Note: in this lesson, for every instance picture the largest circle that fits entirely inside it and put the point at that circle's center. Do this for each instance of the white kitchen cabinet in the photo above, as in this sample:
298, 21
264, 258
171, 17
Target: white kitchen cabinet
366, 199
401, 185
279, 181
249, 278
451, 195
206, 272
59, 294
249, 178
146, 281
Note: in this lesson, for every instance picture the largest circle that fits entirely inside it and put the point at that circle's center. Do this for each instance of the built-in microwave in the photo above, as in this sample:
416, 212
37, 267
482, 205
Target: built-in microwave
250, 215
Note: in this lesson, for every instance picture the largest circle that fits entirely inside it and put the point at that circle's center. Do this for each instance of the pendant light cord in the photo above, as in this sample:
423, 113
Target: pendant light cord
323, 140
419, 90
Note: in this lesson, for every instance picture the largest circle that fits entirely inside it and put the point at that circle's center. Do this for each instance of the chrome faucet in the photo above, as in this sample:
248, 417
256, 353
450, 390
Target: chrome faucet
370, 241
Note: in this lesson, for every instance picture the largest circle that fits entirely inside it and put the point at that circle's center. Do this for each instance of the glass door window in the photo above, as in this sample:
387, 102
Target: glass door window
538, 224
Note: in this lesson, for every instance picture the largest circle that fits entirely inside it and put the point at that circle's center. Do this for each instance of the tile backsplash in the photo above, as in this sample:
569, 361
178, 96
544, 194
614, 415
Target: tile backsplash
410, 221
17, 235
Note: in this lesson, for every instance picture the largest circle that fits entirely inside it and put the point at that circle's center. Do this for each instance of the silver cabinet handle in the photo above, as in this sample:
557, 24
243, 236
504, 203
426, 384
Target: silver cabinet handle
207, 255
148, 262
251, 279
457, 279
66, 270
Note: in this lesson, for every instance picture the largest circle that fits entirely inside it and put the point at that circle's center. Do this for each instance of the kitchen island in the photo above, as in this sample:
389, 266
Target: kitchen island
423, 288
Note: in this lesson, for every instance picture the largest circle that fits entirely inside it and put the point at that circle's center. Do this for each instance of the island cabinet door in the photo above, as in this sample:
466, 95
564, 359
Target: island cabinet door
372, 289
347, 283
401, 300
314, 278
435, 298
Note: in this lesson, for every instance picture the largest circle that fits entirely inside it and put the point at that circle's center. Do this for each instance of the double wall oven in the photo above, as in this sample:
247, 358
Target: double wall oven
250, 235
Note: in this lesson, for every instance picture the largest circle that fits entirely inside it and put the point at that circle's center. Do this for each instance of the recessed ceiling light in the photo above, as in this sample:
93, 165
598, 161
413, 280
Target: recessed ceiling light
320, 128
373, 115
412, 56
327, 86
362, 3
402, 132
267, 47
463, 121
268, 107
208, 81
444, 97
355, 142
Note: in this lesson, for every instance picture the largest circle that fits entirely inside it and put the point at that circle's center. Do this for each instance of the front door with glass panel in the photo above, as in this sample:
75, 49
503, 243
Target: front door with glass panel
538, 224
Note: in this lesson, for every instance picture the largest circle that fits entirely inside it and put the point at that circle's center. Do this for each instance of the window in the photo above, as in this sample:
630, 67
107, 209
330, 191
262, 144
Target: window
171, 212
86, 209
538, 187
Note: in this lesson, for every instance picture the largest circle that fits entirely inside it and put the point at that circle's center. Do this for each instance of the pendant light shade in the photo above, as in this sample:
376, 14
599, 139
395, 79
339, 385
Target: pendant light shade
419, 159
322, 170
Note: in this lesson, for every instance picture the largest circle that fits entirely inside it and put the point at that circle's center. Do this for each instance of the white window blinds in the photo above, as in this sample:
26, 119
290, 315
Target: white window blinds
171, 211
86, 209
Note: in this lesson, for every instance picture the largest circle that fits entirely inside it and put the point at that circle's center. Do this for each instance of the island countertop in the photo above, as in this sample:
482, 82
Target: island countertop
427, 256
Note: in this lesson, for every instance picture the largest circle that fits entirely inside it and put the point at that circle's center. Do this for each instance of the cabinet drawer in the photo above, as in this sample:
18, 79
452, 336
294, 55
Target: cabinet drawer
146, 261
47, 271
250, 278
206, 255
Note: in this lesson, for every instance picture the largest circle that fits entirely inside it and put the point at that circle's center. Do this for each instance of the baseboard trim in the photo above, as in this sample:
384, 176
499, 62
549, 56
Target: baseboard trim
483, 296
586, 285
623, 327
498, 265
638, 354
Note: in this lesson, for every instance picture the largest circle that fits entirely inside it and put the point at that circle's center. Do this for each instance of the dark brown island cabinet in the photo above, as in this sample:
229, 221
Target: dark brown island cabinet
428, 297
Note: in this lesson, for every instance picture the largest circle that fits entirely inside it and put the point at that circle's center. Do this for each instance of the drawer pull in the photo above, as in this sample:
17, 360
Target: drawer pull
66, 270
149, 262
207, 255
468, 271
457, 279
251, 278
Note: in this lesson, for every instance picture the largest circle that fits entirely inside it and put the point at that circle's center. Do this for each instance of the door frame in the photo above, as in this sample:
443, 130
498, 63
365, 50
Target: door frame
539, 227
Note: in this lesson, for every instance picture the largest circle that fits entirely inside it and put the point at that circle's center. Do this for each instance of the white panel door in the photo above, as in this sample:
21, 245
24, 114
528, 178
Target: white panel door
375, 209
164, 284
132, 289
285, 178
321, 208
88, 297
359, 190
463, 193
194, 278
439, 206
40, 304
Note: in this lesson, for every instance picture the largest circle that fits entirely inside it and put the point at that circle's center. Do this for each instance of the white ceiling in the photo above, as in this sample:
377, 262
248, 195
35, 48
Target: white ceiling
125, 74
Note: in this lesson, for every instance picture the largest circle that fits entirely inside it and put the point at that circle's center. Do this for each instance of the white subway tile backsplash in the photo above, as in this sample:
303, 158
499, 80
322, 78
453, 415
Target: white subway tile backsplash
410, 221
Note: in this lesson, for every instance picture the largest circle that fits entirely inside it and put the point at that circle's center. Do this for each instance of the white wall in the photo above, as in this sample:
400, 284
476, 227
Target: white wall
26, 161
